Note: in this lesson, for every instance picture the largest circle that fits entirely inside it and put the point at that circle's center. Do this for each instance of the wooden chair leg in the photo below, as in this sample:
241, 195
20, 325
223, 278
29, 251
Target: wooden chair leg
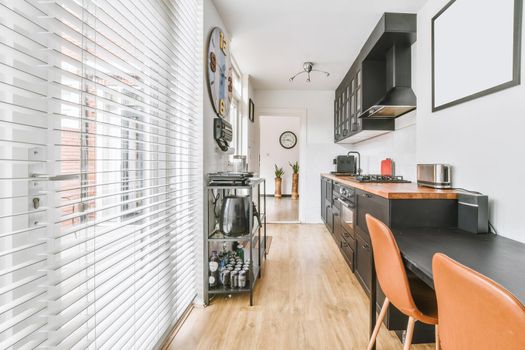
410, 333
382, 314
437, 338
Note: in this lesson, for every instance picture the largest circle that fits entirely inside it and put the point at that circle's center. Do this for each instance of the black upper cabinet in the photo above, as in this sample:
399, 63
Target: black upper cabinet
365, 83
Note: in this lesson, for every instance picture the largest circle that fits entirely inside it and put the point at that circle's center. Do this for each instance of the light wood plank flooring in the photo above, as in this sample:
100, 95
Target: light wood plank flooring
307, 299
283, 209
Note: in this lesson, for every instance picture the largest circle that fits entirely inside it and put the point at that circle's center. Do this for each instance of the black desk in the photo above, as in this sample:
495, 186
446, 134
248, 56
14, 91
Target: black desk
496, 257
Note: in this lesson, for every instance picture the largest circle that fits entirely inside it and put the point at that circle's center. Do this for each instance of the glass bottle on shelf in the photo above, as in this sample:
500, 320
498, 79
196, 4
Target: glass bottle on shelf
240, 251
223, 255
213, 277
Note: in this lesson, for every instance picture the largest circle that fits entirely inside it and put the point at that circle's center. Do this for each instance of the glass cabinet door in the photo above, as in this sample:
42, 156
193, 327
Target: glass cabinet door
336, 110
346, 118
359, 93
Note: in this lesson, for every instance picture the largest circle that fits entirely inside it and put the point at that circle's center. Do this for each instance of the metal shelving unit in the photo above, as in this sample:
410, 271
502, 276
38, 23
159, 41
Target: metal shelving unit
254, 240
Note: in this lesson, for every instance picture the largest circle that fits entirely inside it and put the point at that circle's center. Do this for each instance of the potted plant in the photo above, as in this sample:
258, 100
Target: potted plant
295, 180
279, 172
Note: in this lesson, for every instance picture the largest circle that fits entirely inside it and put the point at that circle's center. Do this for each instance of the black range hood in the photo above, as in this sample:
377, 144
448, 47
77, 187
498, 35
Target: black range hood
399, 97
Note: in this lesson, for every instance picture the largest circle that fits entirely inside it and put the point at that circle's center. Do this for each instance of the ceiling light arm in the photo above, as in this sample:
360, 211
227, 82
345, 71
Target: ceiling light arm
321, 71
296, 75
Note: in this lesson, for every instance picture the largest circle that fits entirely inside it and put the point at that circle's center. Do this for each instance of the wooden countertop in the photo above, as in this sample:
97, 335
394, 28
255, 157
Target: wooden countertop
395, 190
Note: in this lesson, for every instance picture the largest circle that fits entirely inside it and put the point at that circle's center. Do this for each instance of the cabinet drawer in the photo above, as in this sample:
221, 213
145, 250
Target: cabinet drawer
350, 239
348, 254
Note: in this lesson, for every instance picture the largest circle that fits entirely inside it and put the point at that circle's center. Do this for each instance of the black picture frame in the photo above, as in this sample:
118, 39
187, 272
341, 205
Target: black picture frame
251, 111
516, 58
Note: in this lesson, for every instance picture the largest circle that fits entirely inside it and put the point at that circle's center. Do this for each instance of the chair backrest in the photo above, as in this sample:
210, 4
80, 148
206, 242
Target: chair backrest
474, 311
390, 270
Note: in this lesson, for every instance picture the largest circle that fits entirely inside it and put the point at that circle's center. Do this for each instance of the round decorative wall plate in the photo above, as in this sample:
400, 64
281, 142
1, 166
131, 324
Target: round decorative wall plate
288, 139
220, 80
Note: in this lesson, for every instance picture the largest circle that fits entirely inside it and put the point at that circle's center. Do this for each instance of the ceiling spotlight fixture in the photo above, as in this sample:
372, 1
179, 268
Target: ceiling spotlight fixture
308, 67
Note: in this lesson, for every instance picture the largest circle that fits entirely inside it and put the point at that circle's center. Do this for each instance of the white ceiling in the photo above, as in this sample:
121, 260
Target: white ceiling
270, 39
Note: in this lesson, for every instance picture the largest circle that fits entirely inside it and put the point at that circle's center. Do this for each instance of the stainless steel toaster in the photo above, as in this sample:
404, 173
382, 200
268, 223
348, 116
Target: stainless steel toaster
434, 175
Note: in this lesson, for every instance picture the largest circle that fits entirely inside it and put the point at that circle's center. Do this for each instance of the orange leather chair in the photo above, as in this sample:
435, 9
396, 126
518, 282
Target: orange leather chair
474, 311
394, 282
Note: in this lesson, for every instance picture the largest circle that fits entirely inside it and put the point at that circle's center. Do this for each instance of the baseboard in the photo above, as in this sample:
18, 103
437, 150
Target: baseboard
284, 195
164, 344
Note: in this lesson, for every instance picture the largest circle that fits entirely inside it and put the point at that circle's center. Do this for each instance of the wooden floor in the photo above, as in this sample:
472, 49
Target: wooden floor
283, 209
306, 299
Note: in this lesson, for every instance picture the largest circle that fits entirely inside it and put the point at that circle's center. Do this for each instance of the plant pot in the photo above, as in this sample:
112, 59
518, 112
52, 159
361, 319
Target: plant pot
278, 183
295, 186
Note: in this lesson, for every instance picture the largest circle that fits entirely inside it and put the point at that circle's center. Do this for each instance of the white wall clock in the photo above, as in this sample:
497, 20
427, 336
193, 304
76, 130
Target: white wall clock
220, 83
288, 139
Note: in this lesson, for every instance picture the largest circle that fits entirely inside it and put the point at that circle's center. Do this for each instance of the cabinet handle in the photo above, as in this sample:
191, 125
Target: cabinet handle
366, 246
336, 214
366, 195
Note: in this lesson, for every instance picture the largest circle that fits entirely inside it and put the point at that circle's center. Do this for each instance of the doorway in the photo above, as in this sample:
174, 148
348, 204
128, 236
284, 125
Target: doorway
279, 147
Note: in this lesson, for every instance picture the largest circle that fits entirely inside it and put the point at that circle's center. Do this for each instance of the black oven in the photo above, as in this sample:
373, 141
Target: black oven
347, 214
346, 203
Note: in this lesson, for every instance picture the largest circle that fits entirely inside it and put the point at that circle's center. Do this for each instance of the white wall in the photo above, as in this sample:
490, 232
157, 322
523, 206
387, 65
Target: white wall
483, 139
272, 153
399, 145
316, 110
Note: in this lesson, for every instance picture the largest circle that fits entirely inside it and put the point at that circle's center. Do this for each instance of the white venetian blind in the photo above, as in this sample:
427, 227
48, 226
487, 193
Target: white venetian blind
98, 170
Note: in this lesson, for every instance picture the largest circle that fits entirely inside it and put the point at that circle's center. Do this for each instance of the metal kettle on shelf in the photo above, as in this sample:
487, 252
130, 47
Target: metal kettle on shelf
234, 219
235, 216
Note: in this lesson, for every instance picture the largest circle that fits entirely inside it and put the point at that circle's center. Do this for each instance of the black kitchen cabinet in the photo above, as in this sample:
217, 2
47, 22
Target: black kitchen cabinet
363, 268
358, 91
348, 252
396, 213
365, 82
326, 204
368, 203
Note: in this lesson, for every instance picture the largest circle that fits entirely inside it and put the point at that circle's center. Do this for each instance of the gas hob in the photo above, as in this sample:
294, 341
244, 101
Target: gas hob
372, 178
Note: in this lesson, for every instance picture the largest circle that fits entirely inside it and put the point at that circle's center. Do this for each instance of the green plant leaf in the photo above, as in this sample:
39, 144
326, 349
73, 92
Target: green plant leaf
295, 167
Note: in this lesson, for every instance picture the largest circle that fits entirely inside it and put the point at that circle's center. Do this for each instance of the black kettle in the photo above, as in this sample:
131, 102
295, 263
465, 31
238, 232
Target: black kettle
235, 216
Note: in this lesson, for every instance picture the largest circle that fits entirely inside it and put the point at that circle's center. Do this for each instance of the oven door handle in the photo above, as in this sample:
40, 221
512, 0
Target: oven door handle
345, 203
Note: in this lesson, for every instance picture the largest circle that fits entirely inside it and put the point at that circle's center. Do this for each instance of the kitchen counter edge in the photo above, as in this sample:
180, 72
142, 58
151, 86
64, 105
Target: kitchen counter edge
395, 190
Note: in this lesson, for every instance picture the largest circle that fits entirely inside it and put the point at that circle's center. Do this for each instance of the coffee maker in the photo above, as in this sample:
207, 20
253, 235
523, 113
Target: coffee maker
348, 164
